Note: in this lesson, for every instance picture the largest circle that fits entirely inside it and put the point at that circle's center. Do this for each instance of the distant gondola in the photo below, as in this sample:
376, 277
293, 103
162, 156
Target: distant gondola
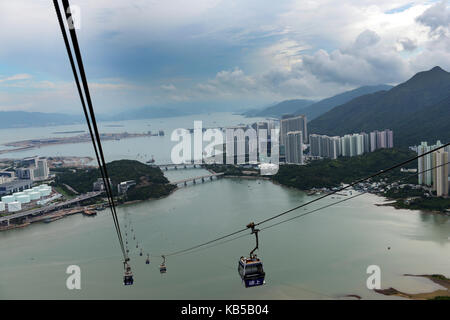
162, 267
128, 275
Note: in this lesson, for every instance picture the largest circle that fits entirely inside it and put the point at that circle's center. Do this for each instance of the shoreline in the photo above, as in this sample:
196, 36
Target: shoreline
436, 278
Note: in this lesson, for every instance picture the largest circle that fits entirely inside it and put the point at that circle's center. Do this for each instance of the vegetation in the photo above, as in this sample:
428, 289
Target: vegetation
403, 193
428, 204
423, 101
150, 181
328, 173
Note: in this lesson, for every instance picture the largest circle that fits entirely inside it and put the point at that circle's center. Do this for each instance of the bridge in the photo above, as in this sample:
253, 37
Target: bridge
49, 208
200, 178
175, 166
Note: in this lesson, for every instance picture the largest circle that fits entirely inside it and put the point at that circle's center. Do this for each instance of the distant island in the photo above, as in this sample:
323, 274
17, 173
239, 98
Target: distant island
64, 132
38, 143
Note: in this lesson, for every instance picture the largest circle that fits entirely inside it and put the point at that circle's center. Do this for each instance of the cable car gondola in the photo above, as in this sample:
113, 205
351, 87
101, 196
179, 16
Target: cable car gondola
162, 267
140, 253
148, 259
128, 275
251, 269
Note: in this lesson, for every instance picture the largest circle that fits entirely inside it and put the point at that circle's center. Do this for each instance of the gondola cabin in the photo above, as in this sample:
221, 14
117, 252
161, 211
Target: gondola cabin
128, 279
128, 275
251, 271
162, 268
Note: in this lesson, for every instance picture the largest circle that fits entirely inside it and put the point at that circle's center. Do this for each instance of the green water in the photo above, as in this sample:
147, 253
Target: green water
323, 255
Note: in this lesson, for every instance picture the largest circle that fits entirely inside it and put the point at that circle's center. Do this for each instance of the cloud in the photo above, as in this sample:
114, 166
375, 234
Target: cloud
366, 39
366, 61
437, 18
407, 44
16, 77
153, 52
168, 87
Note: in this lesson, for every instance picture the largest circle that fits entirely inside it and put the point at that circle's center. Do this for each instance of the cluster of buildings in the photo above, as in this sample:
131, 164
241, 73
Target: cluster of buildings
16, 184
351, 144
27, 171
433, 168
30, 196
294, 139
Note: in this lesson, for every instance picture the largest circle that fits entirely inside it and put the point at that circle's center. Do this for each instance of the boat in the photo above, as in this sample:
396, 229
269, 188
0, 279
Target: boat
152, 160
89, 213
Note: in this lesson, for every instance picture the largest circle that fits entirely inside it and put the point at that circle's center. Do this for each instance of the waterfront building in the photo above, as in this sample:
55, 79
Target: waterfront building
373, 141
294, 147
352, 145
380, 140
14, 206
425, 163
125, 185
6, 176
440, 172
291, 123
366, 142
15, 186
324, 146
99, 185
33, 168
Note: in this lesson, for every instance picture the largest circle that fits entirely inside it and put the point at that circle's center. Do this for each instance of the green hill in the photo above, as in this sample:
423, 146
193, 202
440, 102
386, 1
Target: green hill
151, 182
284, 107
416, 110
316, 109
328, 173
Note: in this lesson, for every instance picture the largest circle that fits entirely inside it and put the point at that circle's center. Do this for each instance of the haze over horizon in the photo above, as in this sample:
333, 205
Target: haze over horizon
216, 53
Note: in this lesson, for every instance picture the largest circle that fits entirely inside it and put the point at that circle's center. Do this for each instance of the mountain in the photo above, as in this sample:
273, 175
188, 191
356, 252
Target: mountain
284, 107
21, 119
417, 110
310, 108
319, 108
144, 113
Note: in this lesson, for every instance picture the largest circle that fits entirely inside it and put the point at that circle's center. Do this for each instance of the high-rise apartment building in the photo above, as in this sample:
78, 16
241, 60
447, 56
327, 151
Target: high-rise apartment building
294, 147
425, 163
440, 172
290, 123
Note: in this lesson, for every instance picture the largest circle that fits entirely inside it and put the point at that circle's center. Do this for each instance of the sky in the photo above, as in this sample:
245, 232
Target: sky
227, 55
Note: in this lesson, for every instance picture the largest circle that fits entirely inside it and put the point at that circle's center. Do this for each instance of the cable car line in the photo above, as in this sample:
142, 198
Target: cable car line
128, 277
77, 52
337, 202
252, 262
308, 203
251, 269
66, 42
351, 185
97, 148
